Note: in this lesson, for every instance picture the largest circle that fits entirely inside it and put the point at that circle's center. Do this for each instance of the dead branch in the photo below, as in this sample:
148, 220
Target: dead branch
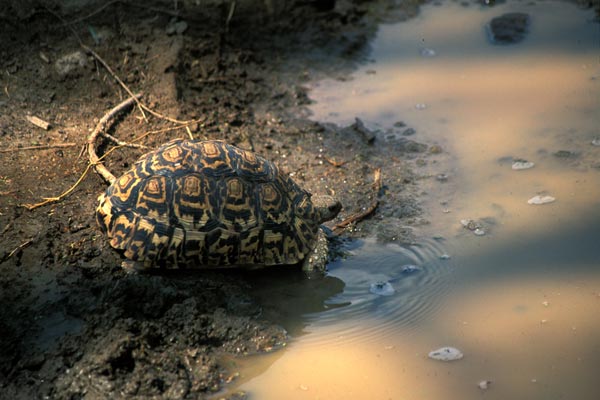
49, 200
40, 147
122, 143
116, 77
102, 124
356, 217
140, 105
16, 249
364, 213
334, 162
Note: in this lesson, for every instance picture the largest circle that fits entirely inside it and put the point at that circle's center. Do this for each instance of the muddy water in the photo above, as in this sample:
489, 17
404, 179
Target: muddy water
522, 301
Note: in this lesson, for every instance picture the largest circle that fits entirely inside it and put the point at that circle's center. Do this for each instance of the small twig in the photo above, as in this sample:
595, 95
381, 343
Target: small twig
6, 228
189, 132
122, 143
16, 249
360, 215
114, 75
377, 183
335, 163
91, 140
229, 16
49, 200
356, 217
40, 147
37, 121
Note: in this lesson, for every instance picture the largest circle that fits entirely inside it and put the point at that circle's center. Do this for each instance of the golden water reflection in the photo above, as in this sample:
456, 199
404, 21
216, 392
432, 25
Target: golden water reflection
523, 301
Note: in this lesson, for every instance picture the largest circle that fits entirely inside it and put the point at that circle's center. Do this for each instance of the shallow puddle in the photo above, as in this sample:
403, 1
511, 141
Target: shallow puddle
521, 301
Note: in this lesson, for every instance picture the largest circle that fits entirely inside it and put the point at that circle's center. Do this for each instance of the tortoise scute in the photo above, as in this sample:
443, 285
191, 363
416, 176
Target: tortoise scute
207, 204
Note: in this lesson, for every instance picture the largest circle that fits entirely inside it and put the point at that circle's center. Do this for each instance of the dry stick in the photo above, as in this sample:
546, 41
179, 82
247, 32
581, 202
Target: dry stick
16, 249
41, 147
91, 141
140, 105
122, 143
359, 216
49, 200
123, 85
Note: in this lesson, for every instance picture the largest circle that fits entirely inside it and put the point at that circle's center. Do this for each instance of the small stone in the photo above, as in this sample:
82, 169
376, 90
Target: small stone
484, 385
70, 62
176, 27
409, 269
470, 224
435, 149
479, 232
596, 142
444, 256
382, 288
565, 154
545, 303
425, 52
522, 164
539, 200
508, 28
408, 132
442, 177
446, 354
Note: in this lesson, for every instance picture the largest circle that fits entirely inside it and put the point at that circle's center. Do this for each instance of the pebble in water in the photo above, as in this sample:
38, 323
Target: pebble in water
484, 385
382, 288
538, 200
410, 269
522, 164
446, 354
425, 52
473, 226
509, 28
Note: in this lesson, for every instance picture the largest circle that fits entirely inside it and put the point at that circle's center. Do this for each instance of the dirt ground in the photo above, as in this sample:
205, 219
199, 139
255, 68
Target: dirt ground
72, 323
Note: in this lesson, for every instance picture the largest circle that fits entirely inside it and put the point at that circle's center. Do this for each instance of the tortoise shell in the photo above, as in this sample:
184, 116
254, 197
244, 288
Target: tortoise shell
207, 204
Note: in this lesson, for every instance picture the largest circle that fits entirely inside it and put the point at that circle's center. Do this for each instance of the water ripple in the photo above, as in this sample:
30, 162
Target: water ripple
357, 314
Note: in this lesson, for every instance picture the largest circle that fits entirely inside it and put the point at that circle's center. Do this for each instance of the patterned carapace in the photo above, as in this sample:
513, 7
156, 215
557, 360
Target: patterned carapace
207, 204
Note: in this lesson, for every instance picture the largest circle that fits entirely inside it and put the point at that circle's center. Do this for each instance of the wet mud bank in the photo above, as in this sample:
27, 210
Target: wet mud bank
73, 324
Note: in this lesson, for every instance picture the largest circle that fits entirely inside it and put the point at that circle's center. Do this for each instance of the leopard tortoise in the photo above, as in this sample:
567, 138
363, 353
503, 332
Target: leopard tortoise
206, 204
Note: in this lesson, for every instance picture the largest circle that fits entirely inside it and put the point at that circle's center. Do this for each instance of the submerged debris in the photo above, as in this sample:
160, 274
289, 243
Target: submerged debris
539, 199
382, 288
410, 269
520, 164
508, 28
565, 154
425, 52
446, 354
484, 385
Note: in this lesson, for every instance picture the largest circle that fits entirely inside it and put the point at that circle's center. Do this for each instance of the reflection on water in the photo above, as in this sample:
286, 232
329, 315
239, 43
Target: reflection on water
523, 301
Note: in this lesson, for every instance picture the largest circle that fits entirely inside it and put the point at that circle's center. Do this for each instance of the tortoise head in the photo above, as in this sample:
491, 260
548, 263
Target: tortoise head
327, 207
